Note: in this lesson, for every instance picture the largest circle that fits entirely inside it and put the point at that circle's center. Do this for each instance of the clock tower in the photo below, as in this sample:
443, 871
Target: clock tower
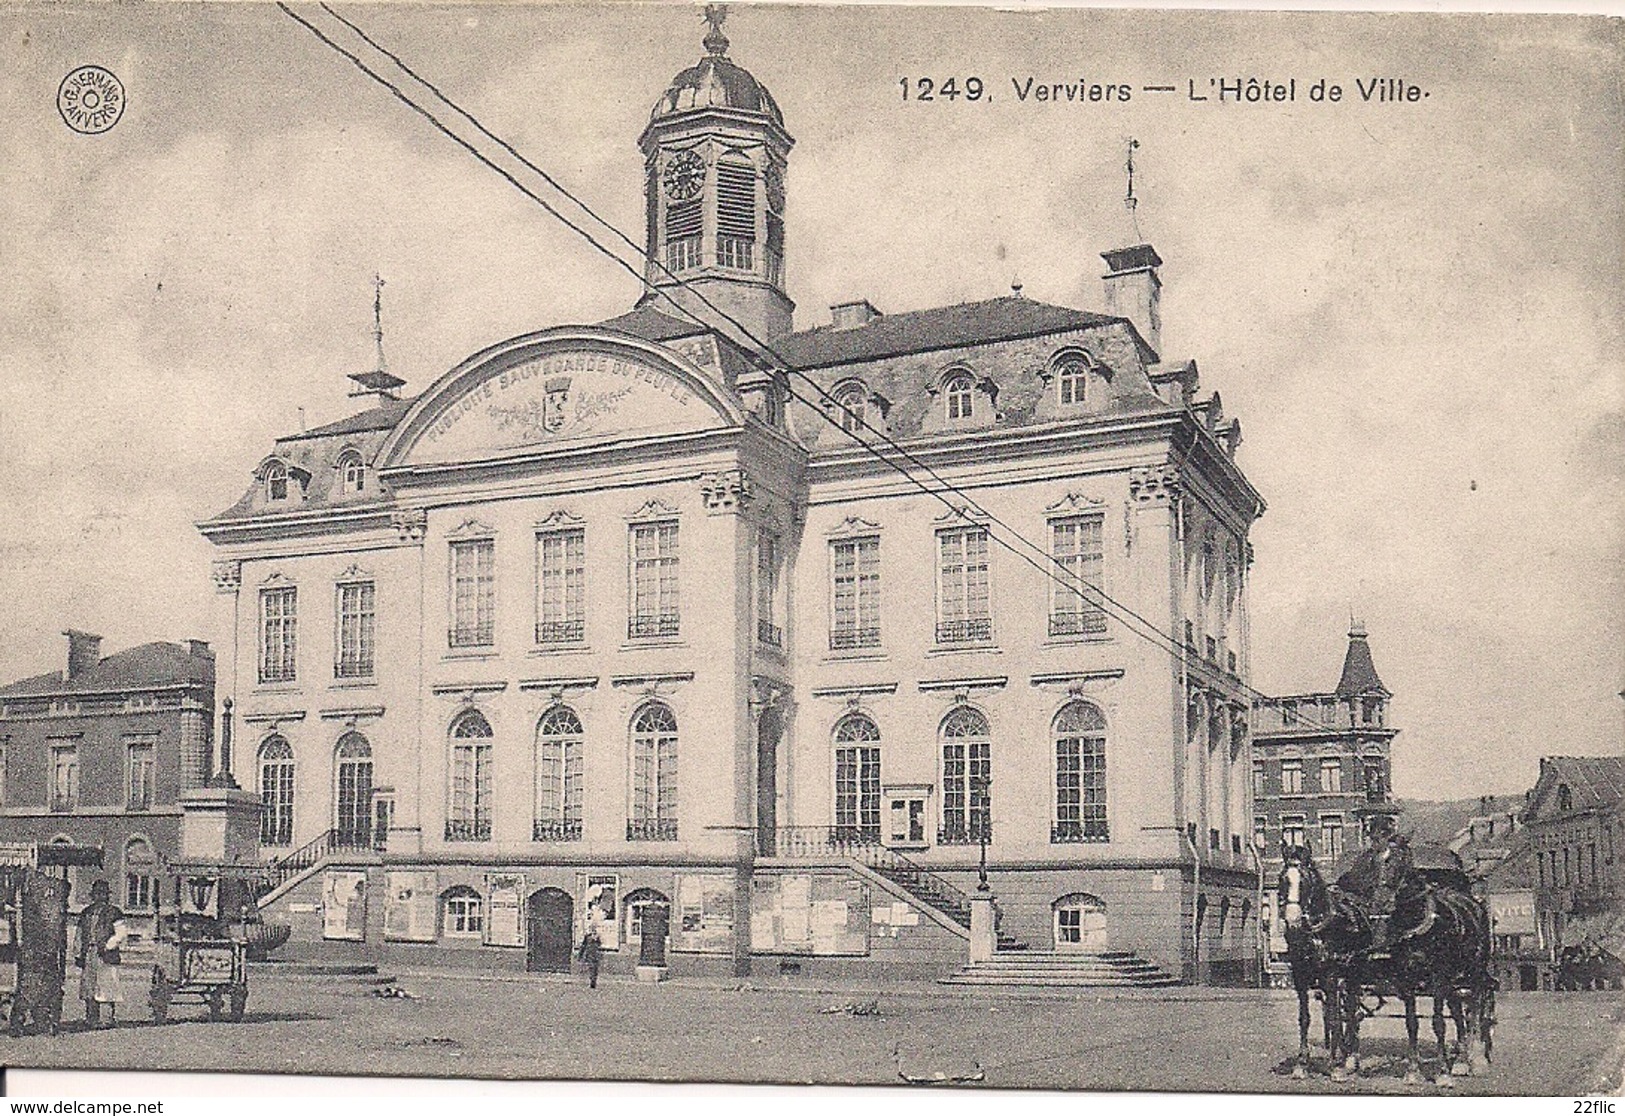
714, 155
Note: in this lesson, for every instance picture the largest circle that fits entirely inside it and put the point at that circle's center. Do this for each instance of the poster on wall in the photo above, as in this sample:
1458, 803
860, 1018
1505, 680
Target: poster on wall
824, 915
410, 899
600, 893
344, 906
505, 893
704, 919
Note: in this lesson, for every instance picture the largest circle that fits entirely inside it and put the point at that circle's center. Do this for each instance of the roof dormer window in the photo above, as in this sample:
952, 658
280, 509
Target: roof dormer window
957, 391
852, 400
352, 473
1071, 379
276, 482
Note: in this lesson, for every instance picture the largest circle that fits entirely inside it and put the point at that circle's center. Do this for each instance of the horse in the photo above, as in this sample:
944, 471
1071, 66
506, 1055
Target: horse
1431, 938
1322, 929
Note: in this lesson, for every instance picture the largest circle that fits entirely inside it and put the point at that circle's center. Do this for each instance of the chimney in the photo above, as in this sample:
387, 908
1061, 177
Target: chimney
199, 649
1134, 291
851, 315
84, 652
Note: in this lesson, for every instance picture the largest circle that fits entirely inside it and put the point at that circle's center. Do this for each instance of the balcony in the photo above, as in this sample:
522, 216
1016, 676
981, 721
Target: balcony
560, 631
1089, 622
468, 829
769, 634
652, 627
353, 667
977, 629
651, 829
1077, 832
567, 830
848, 639
961, 833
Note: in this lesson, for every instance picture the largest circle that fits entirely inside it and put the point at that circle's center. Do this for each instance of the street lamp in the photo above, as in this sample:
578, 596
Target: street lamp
979, 819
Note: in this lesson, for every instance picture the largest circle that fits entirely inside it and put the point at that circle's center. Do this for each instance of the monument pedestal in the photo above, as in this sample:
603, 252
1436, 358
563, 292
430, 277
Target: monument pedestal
221, 824
984, 938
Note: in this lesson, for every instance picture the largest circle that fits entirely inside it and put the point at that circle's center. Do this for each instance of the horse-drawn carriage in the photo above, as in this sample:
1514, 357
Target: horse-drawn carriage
201, 945
1399, 923
34, 932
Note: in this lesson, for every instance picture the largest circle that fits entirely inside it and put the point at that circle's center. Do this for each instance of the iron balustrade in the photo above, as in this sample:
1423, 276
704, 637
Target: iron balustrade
284, 868
353, 666
845, 639
963, 833
468, 829
482, 634
561, 631
651, 829
566, 830
1077, 832
769, 633
1087, 622
975, 629
652, 627
862, 845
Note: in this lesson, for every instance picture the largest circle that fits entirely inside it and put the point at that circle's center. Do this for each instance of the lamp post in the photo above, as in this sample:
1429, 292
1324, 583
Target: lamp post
980, 818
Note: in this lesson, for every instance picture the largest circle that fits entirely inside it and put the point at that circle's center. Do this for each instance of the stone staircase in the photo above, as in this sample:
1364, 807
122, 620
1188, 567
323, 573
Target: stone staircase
1106, 969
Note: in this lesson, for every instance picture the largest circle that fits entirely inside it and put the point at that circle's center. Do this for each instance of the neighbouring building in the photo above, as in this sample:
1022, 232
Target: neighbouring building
1576, 831
1321, 761
1518, 954
101, 753
622, 616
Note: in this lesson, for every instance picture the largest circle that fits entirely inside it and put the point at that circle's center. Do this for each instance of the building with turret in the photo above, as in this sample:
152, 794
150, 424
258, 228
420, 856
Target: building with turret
639, 615
1321, 762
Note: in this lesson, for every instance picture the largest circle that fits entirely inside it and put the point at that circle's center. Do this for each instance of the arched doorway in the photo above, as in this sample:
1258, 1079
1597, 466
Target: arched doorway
1080, 923
353, 792
549, 931
648, 925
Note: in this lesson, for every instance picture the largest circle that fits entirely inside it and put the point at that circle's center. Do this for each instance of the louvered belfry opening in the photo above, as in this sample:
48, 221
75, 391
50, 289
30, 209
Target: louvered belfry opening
736, 214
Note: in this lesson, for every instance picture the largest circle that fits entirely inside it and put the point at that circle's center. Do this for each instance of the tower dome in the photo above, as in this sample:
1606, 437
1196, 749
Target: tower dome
715, 82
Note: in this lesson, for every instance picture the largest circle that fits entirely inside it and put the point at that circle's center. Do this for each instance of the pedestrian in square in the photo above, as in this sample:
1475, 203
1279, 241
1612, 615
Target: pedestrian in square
592, 943
101, 932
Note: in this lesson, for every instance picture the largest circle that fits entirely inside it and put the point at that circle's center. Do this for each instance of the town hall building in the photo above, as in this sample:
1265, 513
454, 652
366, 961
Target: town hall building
757, 642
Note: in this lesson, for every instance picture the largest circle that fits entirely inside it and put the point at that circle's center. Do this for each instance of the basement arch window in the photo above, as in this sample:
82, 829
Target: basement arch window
462, 913
1079, 923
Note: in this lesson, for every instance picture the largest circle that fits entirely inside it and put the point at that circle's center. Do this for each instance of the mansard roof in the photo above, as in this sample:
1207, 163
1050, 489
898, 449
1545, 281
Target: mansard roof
1594, 782
940, 327
146, 666
382, 417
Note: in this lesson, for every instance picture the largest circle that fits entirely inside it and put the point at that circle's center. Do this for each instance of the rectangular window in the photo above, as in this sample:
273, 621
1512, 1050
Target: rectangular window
654, 787
855, 593
470, 818
464, 916
1069, 925
1292, 830
561, 586
1077, 550
1258, 779
654, 581
1261, 826
279, 634
65, 778
769, 630
1331, 836
473, 593
138, 892
966, 802
357, 610
1331, 776
857, 794
1292, 777
140, 766
963, 614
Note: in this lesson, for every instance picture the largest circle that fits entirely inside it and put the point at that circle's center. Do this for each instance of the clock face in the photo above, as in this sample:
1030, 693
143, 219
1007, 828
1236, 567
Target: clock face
773, 177
685, 176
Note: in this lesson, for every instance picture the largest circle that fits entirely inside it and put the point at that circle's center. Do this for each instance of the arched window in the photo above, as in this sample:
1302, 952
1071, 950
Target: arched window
967, 776
352, 472
654, 775
958, 390
857, 781
140, 869
1080, 775
468, 817
276, 481
462, 912
853, 400
1080, 922
352, 763
276, 792
558, 776
1071, 378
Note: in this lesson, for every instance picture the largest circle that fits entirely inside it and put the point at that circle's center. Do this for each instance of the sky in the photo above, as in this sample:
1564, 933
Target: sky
1415, 309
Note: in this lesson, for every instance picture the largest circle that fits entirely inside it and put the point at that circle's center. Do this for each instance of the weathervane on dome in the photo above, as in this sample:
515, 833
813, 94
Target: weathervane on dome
716, 43
379, 382
1130, 202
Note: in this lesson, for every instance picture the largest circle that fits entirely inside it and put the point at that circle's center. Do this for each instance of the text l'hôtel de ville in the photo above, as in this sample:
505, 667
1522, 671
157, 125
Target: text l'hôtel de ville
1032, 90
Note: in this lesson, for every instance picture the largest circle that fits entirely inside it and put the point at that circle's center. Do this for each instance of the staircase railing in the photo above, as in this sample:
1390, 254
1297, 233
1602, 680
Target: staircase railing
285, 868
863, 845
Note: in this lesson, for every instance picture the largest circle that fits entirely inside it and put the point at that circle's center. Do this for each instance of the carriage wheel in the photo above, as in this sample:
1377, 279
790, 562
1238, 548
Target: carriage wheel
239, 1000
159, 995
